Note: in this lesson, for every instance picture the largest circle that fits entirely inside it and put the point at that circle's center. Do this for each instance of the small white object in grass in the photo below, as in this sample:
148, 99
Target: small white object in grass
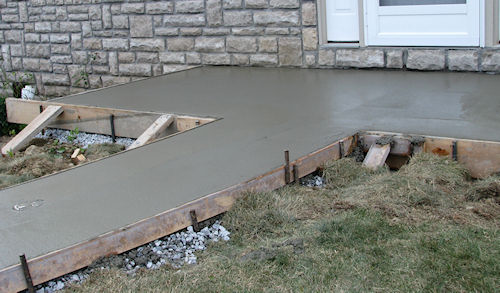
28, 93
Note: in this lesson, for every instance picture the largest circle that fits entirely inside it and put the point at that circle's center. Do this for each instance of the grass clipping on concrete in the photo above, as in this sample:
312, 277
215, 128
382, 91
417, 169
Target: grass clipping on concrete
426, 227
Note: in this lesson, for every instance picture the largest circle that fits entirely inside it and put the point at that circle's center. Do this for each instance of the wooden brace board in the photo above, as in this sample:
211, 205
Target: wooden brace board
33, 128
153, 131
128, 123
376, 156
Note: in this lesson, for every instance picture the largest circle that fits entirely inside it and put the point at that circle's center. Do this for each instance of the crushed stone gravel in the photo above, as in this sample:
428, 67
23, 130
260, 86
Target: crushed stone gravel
82, 139
176, 250
313, 181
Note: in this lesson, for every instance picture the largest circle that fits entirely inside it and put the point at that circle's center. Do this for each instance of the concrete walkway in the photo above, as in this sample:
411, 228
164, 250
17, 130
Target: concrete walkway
264, 111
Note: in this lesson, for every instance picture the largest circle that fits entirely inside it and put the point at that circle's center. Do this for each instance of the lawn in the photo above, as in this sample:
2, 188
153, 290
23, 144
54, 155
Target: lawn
426, 227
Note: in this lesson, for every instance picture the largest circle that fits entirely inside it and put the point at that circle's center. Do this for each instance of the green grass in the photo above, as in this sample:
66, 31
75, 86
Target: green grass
351, 242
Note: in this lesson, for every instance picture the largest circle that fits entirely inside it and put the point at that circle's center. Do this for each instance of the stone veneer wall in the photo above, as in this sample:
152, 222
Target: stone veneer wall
117, 41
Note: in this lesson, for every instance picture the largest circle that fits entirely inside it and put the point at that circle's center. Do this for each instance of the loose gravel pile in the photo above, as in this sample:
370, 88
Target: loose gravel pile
176, 249
82, 139
313, 181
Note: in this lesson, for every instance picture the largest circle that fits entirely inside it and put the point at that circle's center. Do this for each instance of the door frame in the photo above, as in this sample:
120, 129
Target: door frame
322, 25
339, 32
481, 25
489, 34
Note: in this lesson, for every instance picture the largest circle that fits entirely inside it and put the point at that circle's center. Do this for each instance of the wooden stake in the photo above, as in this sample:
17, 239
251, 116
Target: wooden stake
194, 221
41, 110
112, 125
287, 167
27, 275
153, 131
296, 178
454, 152
37, 124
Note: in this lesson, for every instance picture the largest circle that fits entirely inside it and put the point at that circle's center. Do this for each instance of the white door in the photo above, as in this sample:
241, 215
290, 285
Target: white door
423, 22
342, 20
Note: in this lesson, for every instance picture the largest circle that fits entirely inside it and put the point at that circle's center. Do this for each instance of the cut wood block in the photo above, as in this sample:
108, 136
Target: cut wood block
376, 156
75, 153
33, 128
75, 156
153, 131
80, 158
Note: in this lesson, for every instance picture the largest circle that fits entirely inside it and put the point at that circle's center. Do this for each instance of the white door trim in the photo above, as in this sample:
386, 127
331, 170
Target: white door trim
482, 24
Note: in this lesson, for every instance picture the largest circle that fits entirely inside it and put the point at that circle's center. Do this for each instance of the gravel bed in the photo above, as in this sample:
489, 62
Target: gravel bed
176, 250
313, 181
83, 139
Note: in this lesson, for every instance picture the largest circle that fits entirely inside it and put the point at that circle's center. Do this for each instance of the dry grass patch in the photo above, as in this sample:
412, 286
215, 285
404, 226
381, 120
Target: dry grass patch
428, 187
43, 157
370, 231
97, 151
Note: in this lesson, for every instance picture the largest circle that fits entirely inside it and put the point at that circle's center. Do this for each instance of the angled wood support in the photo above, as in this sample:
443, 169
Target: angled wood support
33, 128
376, 156
153, 131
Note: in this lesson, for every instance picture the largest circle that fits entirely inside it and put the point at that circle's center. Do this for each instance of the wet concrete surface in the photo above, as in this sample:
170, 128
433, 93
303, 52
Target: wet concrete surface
264, 111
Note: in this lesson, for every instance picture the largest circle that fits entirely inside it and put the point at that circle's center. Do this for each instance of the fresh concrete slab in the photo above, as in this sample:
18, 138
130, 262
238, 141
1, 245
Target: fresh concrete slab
264, 111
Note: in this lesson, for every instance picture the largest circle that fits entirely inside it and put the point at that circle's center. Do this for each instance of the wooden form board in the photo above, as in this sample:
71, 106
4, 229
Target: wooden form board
63, 261
33, 128
482, 158
128, 123
153, 131
401, 146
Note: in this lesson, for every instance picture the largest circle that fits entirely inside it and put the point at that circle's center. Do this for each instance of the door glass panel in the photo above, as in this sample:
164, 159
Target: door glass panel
419, 2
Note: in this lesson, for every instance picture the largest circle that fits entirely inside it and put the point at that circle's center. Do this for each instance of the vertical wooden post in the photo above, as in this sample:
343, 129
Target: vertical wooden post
454, 152
194, 221
112, 123
27, 275
296, 178
287, 167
